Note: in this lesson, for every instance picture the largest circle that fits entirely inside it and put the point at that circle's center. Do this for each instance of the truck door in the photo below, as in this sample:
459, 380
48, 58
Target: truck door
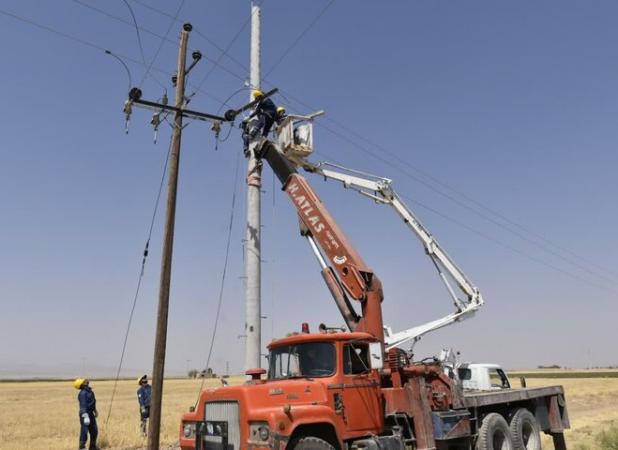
361, 390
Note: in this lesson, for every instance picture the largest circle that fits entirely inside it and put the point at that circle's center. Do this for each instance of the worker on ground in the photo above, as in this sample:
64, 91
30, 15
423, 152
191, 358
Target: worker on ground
87, 414
260, 121
144, 393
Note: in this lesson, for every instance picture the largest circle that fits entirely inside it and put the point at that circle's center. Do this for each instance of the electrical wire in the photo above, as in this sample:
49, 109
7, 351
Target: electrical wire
100, 48
155, 34
139, 281
495, 240
134, 24
163, 39
109, 52
546, 244
196, 31
509, 247
139, 37
286, 95
481, 214
555, 251
224, 271
299, 37
227, 49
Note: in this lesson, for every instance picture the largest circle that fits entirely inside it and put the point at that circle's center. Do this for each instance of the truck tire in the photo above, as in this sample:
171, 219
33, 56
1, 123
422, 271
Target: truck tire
311, 443
494, 434
525, 431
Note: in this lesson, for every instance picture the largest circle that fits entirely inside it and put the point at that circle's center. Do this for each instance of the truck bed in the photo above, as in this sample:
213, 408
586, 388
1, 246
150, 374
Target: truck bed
484, 398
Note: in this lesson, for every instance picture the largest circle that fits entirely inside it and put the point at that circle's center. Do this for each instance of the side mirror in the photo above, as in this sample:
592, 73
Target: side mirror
376, 357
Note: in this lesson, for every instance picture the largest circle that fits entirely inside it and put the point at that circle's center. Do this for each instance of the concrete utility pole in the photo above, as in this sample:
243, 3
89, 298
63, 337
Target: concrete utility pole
254, 231
168, 245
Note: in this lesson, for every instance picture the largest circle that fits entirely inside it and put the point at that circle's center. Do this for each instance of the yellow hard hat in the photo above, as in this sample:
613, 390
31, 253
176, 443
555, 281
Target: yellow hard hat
143, 377
257, 94
77, 384
280, 110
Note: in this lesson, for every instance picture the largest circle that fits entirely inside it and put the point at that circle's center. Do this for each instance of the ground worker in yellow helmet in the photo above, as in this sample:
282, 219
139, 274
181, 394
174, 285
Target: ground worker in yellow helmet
144, 393
261, 119
87, 414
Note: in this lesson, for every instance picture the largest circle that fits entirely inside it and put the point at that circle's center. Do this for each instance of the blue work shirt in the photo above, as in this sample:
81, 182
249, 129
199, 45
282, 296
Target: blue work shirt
143, 395
87, 400
267, 111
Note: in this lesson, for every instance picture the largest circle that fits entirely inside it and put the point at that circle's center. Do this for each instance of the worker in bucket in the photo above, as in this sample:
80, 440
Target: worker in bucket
280, 115
87, 414
144, 393
260, 121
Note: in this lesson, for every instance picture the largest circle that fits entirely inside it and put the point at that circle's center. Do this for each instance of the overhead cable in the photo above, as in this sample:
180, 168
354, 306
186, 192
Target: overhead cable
139, 280
224, 271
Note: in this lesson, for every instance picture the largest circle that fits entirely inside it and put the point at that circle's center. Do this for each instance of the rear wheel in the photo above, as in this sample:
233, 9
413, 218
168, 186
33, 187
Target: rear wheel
311, 443
525, 431
494, 434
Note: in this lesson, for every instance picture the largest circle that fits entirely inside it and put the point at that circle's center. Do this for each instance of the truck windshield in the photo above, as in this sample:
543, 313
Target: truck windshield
313, 359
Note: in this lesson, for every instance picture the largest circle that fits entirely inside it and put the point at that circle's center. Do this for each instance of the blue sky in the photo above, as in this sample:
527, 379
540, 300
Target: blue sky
500, 117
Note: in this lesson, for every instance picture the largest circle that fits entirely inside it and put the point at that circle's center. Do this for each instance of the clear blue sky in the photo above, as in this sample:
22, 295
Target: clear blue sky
510, 108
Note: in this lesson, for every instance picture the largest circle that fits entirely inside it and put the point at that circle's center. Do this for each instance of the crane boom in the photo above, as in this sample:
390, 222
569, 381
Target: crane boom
381, 190
344, 271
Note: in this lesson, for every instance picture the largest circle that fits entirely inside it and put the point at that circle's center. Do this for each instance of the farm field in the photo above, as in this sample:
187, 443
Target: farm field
42, 415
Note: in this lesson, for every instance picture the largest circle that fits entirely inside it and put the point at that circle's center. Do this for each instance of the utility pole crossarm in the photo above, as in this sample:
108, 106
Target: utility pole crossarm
154, 106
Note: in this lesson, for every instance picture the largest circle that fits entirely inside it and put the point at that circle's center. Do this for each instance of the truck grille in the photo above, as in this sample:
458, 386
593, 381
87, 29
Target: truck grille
223, 412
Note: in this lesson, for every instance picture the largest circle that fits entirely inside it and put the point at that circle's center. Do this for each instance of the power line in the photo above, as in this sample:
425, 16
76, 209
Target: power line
196, 31
163, 39
495, 240
546, 244
299, 37
109, 52
578, 262
100, 48
139, 281
155, 34
375, 156
139, 36
224, 271
509, 247
137, 30
227, 49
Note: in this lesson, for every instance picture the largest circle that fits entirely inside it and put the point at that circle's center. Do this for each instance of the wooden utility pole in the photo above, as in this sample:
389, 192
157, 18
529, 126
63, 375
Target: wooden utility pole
158, 368
254, 228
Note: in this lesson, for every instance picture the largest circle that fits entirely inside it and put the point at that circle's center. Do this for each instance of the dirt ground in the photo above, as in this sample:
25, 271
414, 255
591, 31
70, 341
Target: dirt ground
52, 407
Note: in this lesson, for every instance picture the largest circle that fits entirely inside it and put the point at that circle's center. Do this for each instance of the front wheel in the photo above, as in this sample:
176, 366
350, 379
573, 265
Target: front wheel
494, 434
525, 431
310, 443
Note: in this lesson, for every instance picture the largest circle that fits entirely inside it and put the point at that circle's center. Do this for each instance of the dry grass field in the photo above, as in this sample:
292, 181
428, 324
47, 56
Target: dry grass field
43, 415
593, 407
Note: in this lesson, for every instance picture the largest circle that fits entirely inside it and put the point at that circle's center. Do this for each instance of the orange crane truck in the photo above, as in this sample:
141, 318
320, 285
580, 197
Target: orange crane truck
357, 389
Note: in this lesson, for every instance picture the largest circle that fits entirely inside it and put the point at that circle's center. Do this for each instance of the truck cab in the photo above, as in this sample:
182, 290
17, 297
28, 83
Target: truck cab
320, 385
482, 377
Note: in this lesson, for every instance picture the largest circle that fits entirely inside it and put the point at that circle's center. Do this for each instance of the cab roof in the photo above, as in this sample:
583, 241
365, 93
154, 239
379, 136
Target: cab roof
322, 337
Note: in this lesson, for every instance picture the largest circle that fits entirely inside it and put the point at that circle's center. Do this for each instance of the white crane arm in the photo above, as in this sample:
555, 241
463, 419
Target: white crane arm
380, 190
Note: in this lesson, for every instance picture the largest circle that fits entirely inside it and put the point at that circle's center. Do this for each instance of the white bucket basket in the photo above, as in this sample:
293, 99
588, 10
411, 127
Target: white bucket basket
295, 136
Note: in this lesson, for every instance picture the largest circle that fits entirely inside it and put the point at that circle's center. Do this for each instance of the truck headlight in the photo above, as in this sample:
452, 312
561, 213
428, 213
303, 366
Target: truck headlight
259, 431
189, 429
264, 433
